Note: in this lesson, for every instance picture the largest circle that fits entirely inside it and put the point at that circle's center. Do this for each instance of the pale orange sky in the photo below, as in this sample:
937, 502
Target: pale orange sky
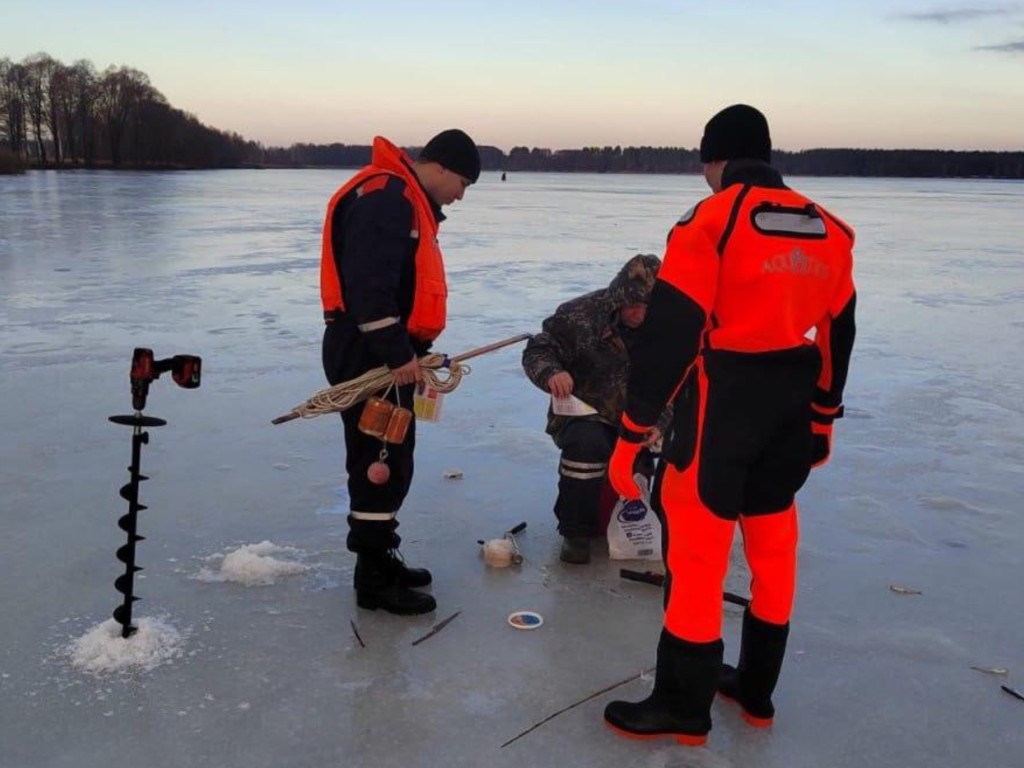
568, 74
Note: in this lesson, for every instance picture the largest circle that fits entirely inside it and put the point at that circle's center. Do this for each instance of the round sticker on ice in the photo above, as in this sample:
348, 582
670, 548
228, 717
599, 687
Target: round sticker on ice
525, 620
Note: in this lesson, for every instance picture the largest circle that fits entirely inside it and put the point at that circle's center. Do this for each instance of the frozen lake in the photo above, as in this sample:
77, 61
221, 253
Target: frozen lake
924, 491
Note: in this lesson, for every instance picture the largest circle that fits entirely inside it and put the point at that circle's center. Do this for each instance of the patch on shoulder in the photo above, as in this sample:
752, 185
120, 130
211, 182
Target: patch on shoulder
687, 217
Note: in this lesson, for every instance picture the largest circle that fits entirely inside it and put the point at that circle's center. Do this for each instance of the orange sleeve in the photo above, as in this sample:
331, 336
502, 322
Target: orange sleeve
691, 258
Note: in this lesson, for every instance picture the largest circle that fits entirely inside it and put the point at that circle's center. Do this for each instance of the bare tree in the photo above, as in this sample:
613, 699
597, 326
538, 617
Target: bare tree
13, 90
121, 90
85, 88
148, 113
56, 114
39, 68
74, 96
5, 120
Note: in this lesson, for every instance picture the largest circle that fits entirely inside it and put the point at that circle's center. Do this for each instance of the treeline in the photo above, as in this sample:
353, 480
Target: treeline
68, 115
55, 115
811, 162
901, 162
349, 156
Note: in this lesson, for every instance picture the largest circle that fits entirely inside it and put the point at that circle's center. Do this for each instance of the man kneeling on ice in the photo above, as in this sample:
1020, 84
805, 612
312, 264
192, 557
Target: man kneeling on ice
581, 357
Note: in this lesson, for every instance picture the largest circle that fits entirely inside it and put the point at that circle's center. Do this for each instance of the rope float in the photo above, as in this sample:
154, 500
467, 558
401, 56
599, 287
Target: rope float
440, 372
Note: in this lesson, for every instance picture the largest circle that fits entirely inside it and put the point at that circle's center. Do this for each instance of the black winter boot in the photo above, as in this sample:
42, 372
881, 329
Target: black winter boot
751, 682
378, 583
575, 550
407, 577
680, 704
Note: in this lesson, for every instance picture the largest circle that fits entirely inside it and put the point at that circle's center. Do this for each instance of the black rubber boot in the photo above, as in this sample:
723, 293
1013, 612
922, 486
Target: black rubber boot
378, 585
575, 550
752, 681
680, 704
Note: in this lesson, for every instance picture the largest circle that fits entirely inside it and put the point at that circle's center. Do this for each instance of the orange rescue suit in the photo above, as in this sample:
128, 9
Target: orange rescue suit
429, 309
747, 274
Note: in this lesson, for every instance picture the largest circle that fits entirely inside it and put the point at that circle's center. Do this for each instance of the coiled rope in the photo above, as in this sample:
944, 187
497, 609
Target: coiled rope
343, 396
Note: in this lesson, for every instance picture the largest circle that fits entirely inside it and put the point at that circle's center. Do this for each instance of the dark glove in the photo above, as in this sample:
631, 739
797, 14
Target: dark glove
621, 464
822, 418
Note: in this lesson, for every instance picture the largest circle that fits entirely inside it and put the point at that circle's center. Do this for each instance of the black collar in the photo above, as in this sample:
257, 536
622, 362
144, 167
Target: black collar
754, 172
438, 216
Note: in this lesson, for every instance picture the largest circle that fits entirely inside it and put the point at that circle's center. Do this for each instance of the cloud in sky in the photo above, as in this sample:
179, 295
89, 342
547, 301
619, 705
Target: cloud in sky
965, 14
1016, 46
958, 15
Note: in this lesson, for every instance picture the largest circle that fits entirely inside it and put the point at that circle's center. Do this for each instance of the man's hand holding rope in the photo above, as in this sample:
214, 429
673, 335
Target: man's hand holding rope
408, 373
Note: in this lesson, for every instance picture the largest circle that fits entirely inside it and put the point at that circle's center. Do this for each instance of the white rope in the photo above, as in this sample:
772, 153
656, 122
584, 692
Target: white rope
441, 373
343, 396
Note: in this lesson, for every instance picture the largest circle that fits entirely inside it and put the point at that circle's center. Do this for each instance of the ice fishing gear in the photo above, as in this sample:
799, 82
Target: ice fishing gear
1013, 692
503, 552
658, 580
387, 422
186, 372
343, 396
437, 628
584, 700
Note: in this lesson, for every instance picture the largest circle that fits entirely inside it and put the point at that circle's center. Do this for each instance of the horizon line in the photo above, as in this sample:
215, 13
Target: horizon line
655, 146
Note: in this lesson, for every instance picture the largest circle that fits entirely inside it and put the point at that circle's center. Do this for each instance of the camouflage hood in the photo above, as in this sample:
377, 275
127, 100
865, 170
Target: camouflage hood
635, 281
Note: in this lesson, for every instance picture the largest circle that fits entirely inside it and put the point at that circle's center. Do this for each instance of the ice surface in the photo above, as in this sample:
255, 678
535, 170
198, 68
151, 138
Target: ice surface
924, 491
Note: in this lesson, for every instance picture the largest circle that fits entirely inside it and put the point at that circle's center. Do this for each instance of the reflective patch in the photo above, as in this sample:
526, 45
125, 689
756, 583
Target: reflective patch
376, 325
687, 217
377, 516
793, 221
583, 464
581, 475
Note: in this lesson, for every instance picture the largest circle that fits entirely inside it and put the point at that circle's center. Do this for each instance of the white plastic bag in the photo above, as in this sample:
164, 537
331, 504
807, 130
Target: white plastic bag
634, 531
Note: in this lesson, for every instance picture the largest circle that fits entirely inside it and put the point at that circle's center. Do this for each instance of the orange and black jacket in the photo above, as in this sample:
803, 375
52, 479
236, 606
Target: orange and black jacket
748, 273
381, 275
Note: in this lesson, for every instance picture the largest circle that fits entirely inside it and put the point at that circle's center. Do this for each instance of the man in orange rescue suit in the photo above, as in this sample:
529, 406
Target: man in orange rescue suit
747, 273
383, 288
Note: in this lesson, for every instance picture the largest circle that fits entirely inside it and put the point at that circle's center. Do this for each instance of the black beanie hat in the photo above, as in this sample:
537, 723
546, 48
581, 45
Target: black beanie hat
739, 131
455, 151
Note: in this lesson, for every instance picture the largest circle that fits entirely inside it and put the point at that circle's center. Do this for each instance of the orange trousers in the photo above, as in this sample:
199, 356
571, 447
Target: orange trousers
745, 450
698, 545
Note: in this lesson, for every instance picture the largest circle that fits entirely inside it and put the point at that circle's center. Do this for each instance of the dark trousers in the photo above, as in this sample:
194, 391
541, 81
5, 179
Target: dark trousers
586, 447
378, 501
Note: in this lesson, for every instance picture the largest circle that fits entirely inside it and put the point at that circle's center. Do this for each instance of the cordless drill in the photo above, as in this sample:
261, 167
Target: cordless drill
185, 370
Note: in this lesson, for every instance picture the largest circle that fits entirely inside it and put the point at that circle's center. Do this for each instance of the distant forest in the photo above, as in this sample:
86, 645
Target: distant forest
55, 115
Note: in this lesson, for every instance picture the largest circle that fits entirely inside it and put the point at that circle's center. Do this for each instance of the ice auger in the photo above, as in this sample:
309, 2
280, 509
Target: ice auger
185, 370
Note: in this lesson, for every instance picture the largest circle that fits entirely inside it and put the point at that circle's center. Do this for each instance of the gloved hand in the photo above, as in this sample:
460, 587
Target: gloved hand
822, 418
620, 466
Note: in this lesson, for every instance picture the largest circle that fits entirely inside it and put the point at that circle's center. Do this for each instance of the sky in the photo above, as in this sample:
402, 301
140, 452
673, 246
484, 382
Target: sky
559, 74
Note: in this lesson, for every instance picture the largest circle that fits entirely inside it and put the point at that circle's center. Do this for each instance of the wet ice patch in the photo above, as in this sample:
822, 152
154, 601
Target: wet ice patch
950, 504
340, 506
102, 649
253, 565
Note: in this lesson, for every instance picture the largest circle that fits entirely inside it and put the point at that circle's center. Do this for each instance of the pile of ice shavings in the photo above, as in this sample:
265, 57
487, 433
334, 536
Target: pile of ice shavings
252, 565
102, 649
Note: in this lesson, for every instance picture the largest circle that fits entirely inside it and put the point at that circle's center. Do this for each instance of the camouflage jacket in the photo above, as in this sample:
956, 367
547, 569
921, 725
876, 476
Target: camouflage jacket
584, 338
